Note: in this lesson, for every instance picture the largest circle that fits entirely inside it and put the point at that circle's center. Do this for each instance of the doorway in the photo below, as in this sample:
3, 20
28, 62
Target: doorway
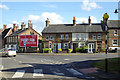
90, 47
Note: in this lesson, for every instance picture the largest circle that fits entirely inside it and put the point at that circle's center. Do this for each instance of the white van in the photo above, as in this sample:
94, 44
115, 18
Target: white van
8, 52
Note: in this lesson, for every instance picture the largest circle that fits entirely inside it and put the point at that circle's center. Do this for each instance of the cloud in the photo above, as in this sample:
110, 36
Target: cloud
85, 20
4, 7
39, 20
89, 5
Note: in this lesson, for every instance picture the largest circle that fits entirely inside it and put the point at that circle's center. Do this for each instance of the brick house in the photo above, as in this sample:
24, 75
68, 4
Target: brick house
114, 34
57, 36
72, 36
13, 39
1, 30
6, 32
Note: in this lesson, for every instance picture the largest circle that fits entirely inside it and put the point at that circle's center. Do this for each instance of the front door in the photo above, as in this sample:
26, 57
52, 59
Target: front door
59, 46
90, 47
75, 45
54, 47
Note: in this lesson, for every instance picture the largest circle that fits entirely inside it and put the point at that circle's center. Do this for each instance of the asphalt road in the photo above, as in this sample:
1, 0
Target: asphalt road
51, 67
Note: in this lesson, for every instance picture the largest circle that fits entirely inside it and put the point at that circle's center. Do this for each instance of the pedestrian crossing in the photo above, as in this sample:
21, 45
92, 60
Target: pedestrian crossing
39, 72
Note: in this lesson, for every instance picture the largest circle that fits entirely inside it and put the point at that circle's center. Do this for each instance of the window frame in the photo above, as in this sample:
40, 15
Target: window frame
98, 37
62, 36
115, 32
113, 42
66, 37
46, 37
93, 37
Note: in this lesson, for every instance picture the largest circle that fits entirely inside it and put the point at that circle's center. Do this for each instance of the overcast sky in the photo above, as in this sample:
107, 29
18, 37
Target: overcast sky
57, 12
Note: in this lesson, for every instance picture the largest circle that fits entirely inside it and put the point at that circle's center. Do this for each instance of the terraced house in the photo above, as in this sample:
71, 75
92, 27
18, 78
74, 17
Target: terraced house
72, 36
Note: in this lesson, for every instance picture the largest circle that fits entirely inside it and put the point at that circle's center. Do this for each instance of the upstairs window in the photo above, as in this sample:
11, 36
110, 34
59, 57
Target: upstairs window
115, 42
115, 32
99, 37
82, 36
47, 37
62, 37
77, 36
51, 37
93, 37
66, 37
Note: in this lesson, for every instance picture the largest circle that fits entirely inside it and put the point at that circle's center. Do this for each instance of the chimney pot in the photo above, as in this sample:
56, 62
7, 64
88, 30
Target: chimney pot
30, 24
74, 21
4, 26
47, 22
89, 21
22, 25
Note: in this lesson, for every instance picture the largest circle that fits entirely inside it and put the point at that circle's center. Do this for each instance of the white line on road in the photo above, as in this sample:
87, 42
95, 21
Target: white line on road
74, 71
19, 74
66, 59
61, 74
38, 72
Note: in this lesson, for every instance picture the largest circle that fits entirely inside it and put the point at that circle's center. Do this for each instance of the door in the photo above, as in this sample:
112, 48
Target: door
90, 47
75, 45
54, 47
59, 46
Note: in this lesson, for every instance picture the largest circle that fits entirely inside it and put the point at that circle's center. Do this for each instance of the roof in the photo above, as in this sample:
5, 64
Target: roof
69, 28
113, 23
18, 32
4, 33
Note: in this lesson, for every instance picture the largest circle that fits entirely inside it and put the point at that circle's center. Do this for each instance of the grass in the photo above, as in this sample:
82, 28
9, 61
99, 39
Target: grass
113, 65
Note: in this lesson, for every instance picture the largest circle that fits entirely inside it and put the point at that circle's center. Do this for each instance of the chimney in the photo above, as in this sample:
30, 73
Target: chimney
17, 27
4, 26
74, 21
30, 24
22, 25
47, 22
89, 21
14, 27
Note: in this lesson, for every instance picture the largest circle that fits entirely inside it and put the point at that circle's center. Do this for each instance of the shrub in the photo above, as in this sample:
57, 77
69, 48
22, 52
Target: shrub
70, 50
47, 49
78, 49
60, 49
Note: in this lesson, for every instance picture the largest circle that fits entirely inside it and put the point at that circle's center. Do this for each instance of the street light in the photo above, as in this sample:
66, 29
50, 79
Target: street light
105, 18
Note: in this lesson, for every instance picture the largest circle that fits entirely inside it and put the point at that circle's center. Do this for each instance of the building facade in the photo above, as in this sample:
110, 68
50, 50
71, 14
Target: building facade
13, 40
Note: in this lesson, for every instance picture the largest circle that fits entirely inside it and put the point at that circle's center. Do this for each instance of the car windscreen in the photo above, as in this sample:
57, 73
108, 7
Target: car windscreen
11, 49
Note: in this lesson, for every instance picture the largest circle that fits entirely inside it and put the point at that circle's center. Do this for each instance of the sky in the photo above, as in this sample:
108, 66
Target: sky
57, 12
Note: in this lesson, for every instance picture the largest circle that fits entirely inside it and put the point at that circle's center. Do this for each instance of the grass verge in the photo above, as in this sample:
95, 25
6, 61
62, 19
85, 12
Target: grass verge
113, 65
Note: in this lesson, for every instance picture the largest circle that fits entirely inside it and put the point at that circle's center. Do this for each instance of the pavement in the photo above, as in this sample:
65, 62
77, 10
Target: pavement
93, 71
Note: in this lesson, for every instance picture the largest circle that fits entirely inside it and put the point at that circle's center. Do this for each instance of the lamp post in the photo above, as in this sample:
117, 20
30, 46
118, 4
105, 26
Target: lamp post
116, 11
105, 18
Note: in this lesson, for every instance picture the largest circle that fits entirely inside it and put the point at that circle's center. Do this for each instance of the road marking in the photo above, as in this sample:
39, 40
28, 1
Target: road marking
66, 59
20, 61
74, 71
38, 72
56, 73
19, 74
15, 60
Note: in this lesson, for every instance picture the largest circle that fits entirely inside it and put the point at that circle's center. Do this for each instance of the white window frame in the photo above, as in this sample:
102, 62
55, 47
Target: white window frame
51, 37
65, 45
99, 37
47, 37
115, 32
66, 36
77, 36
82, 37
62, 36
93, 37
113, 42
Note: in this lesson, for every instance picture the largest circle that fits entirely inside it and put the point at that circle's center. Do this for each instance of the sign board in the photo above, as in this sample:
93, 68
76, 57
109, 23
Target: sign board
28, 41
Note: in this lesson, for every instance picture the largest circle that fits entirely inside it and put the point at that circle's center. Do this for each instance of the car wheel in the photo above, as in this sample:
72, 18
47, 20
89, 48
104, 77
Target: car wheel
14, 56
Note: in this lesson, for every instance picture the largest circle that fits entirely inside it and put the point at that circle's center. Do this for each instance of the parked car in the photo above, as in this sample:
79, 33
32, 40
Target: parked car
8, 52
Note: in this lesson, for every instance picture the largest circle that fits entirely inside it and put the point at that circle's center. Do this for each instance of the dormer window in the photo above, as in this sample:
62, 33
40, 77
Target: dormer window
32, 33
115, 32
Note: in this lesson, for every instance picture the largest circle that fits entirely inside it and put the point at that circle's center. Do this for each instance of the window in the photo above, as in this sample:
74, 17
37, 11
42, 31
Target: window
99, 37
66, 37
66, 45
47, 37
77, 36
93, 37
115, 42
50, 45
51, 37
82, 44
62, 37
115, 32
99, 45
82, 36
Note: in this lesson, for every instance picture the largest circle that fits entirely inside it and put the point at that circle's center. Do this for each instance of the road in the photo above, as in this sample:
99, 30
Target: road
48, 67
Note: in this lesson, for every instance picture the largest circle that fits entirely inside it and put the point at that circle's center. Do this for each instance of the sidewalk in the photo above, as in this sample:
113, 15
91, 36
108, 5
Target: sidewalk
62, 54
87, 67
